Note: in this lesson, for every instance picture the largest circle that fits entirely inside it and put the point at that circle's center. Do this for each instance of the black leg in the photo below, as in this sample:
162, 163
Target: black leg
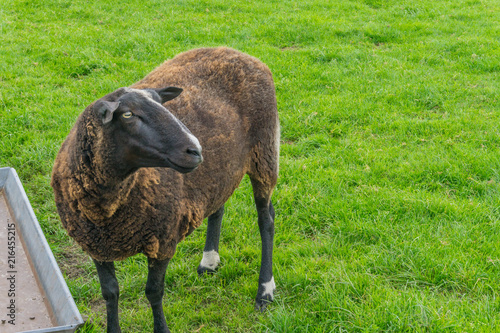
110, 292
211, 251
154, 292
267, 286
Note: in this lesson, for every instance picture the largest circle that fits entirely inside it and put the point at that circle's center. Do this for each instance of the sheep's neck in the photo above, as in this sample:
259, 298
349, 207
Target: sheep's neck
103, 188
102, 196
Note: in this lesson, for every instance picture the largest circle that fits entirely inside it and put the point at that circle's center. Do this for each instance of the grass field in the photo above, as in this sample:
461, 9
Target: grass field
387, 206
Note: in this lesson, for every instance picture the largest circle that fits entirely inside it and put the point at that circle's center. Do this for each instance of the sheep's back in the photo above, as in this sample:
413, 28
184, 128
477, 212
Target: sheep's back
229, 104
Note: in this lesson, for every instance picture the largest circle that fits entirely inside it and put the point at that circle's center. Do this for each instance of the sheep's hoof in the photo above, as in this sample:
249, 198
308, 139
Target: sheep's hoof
265, 295
262, 302
205, 270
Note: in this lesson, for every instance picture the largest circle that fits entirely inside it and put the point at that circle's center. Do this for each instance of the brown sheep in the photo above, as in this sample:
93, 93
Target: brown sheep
129, 179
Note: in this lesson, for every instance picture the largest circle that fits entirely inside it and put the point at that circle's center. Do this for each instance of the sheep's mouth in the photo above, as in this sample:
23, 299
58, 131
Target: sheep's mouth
181, 168
153, 158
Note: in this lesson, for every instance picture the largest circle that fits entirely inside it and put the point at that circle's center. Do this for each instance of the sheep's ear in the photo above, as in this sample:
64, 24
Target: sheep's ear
168, 93
105, 110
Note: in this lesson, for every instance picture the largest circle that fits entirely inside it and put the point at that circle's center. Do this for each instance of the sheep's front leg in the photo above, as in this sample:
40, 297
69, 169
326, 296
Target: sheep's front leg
267, 286
154, 292
211, 258
110, 292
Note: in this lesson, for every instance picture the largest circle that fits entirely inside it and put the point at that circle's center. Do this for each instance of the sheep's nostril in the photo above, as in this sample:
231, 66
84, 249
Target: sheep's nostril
194, 152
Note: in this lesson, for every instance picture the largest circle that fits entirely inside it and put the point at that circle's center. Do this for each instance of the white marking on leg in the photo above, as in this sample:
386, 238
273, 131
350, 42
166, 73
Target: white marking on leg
269, 287
210, 259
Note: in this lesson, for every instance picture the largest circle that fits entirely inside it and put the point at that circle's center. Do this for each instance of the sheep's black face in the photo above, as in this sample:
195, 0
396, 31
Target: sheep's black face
143, 133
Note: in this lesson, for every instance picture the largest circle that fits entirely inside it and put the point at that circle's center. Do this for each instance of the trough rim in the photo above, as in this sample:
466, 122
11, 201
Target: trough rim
65, 313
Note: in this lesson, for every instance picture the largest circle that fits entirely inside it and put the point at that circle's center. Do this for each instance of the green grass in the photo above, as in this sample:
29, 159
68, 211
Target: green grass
387, 202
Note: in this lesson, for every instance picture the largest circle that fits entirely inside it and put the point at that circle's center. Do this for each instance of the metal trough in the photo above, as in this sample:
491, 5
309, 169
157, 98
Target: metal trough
33, 294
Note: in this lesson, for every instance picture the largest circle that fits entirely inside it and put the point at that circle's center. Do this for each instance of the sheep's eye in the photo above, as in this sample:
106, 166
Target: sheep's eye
127, 115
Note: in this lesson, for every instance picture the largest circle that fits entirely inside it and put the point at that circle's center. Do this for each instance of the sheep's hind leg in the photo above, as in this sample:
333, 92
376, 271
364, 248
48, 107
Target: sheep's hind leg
211, 257
154, 292
110, 292
265, 211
